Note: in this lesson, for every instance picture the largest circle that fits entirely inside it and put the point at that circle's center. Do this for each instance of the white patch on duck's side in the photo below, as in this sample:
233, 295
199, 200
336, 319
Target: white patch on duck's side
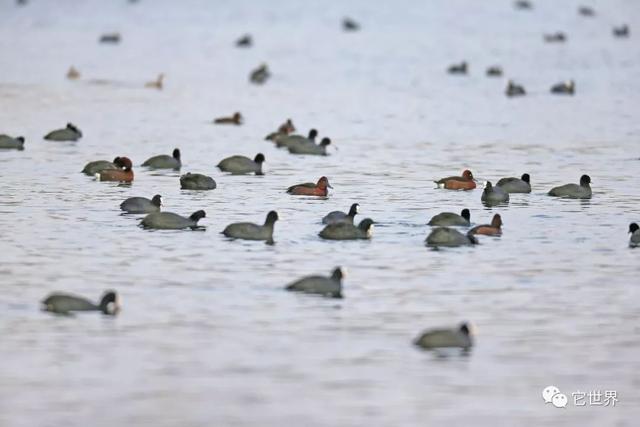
97, 175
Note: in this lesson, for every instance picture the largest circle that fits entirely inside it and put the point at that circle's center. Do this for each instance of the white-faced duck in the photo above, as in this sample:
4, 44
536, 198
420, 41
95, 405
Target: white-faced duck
635, 234
236, 119
172, 221
260, 75
516, 185
98, 166
239, 165
450, 219
124, 174
621, 31
289, 140
346, 231
245, 41
142, 205
350, 25
197, 181
62, 303
558, 37
69, 133
112, 38
493, 229
493, 195
158, 83
339, 217
164, 161
458, 337
514, 89
564, 88
460, 68
321, 188
494, 71
310, 148
326, 286
574, 191
449, 237
250, 231
464, 182
10, 143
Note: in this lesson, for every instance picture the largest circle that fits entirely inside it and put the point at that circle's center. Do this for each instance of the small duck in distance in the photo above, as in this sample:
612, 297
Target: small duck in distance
284, 130
514, 89
73, 74
460, 68
564, 88
350, 25
236, 119
621, 31
586, 11
494, 71
523, 5
112, 38
157, 83
260, 75
311, 189
245, 41
464, 182
558, 37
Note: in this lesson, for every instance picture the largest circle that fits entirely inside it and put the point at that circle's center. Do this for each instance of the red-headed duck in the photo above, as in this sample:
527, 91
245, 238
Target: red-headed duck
122, 175
157, 83
236, 119
464, 182
73, 74
564, 88
284, 130
493, 229
311, 189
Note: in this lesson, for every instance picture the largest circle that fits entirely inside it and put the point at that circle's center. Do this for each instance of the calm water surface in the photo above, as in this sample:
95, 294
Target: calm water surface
207, 336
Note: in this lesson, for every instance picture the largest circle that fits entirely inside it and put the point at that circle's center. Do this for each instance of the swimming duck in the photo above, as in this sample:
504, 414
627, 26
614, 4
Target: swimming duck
565, 88
349, 24
493, 195
574, 191
450, 219
622, 31
493, 229
444, 236
62, 303
515, 185
98, 166
635, 234
250, 231
164, 161
494, 71
197, 181
442, 338
311, 189
236, 119
260, 75
310, 147
522, 5
326, 286
514, 89
244, 41
73, 74
140, 205
239, 165
346, 231
586, 11
122, 175
464, 182
113, 38
558, 37
338, 217
172, 221
285, 129
9, 143
157, 83
69, 133
460, 68
289, 140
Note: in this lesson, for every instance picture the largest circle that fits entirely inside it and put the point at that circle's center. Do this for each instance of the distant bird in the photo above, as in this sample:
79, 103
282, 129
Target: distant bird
73, 74
514, 89
493, 195
574, 191
244, 41
112, 38
197, 181
321, 285
10, 143
310, 189
69, 133
449, 237
125, 174
349, 24
459, 337
250, 231
289, 140
240, 165
61, 303
310, 147
98, 166
586, 11
522, 5
516, 185
564, 88
284, 130
460, 68
172, 221
156, 84
464, 182
558, 37
260, 74
140, 205
621, 31
635, 234
493, 229
164, 161
494, 71
236, 119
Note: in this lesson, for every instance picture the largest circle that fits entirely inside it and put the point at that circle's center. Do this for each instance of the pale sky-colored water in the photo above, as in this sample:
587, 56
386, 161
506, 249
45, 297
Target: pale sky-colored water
207, 336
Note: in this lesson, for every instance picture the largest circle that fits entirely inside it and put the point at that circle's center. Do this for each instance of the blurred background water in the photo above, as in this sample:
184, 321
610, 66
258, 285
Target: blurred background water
207, 336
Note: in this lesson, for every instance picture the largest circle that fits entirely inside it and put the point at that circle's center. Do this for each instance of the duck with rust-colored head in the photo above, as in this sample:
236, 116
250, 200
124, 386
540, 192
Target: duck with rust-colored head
285, 129
493, 229
236, 119
124, 174
321, 188
464, 182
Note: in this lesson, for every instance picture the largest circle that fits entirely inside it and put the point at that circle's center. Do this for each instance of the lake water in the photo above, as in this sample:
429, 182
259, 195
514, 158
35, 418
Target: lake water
207, 336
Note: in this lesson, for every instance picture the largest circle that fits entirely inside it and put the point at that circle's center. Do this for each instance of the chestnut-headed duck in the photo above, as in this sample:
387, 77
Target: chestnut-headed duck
98, 166
444, 236
450, 219
338, 217
516, 185
142, 205
289, 140
73, 74
244, 41
564, 88
346, 231
239, 165
493, 229
197, 181
285, 129
349, 24
464, 182
61, 303
494, 71
172, 221
514, 89
635, 234
164, 161
69, 133
458, 337
122, 175
493, 195
260, 74
322, 285
250, 231
113, 38
460, 68
10, 143
157, 83
310, 148
586, 11
574, 191
621, 31
236, 119
311, 189
558, 37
